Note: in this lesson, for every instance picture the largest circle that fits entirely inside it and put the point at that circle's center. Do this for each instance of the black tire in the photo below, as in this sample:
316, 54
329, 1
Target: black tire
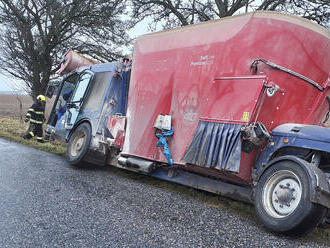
78, 144
282, 200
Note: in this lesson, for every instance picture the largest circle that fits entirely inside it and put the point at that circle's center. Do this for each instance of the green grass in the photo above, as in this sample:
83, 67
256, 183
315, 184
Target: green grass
12, 129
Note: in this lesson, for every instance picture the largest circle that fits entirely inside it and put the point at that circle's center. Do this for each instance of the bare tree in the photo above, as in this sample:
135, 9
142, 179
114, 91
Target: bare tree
174, 13
36, 33
314, 10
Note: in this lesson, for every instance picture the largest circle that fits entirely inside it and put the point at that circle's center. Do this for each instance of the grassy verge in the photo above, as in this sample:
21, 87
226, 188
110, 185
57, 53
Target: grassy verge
13, 129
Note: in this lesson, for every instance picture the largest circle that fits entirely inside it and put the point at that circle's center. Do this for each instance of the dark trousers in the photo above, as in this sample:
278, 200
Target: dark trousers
34, 130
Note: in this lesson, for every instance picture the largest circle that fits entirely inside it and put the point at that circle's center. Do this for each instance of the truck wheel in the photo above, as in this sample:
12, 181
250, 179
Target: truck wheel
282, 200
78, 144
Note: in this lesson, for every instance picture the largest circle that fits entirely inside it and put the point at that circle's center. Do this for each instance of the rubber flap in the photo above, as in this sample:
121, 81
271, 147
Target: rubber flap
215, 145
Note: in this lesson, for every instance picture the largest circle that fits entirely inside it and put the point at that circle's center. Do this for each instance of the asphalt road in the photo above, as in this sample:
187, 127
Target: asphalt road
45, 202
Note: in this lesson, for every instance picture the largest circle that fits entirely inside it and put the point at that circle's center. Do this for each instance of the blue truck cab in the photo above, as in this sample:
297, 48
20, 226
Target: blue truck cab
85, 98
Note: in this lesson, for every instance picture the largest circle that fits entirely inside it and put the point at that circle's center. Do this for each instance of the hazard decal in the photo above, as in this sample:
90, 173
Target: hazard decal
246, 116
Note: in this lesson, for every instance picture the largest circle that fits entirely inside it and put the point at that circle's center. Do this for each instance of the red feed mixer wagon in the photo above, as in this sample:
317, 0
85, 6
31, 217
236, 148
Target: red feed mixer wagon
221, 79
236, 106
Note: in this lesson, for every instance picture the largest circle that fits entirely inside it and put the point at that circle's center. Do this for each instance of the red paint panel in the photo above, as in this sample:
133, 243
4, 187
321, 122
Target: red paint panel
116, 126
174, 73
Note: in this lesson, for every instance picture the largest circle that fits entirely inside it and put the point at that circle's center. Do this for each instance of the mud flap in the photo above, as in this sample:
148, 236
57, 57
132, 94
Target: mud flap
216, 146
97, 152
95, 157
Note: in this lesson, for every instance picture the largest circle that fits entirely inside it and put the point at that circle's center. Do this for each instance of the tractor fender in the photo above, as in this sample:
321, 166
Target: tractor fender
319, 184
77, 124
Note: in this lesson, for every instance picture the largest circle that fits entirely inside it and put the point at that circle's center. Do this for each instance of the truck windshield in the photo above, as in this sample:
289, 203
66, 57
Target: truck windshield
64, 95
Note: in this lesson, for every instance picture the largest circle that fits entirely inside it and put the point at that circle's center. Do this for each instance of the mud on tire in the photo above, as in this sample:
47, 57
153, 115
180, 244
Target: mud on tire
78, 144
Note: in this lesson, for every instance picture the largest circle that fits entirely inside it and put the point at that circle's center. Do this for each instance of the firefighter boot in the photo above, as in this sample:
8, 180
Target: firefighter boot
27, 136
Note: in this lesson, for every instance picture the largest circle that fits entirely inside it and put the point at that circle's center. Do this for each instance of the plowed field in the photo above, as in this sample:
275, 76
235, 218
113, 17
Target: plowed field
10, 105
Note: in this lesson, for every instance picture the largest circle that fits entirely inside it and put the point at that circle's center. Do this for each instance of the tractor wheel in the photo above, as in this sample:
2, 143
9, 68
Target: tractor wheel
282, 200
78, 144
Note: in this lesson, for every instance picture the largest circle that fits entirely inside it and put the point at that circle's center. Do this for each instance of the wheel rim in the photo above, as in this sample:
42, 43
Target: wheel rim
78, 144
282, 194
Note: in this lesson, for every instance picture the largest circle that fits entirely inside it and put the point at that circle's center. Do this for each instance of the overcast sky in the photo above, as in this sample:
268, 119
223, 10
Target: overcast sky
6, 83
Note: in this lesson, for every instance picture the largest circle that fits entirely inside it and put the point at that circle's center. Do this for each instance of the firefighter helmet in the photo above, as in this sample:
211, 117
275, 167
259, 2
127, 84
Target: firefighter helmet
41, 98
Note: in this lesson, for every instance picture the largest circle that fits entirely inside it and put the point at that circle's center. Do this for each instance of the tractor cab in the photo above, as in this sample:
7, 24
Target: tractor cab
85, 95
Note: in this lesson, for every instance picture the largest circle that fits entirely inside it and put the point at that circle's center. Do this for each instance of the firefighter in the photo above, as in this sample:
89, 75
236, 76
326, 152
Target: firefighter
36, 117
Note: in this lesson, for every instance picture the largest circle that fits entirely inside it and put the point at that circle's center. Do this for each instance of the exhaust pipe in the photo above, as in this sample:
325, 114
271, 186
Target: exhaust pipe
122, 161
137, 164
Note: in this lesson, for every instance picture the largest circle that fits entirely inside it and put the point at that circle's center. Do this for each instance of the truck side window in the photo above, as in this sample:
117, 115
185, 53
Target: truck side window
97, 90
81, 87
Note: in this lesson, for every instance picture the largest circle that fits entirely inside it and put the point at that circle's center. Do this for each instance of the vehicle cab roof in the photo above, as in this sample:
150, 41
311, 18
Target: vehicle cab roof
94, 68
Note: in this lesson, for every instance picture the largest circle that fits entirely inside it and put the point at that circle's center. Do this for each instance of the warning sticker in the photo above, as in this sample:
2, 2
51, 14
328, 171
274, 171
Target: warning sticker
246, 116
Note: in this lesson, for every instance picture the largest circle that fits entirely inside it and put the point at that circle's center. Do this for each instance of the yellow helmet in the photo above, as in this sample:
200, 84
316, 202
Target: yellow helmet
41, 98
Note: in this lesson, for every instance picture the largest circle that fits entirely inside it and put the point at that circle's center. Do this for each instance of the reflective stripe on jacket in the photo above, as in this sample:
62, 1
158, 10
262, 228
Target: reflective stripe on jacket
36, 113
